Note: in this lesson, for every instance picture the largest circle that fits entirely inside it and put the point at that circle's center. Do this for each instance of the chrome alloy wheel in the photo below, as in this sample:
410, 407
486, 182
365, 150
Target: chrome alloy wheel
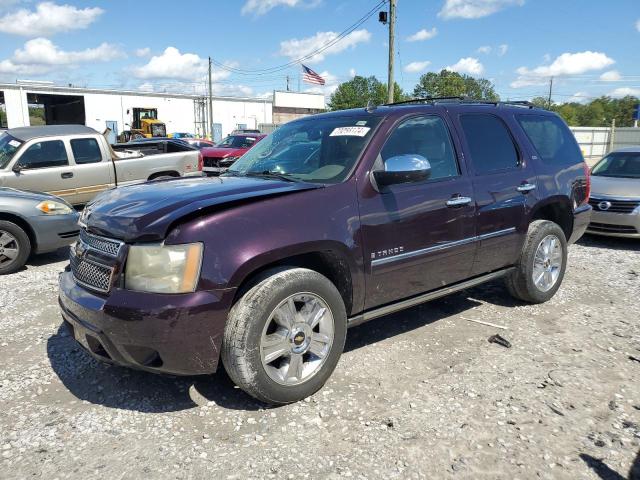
297, 339
9, 248
547, 263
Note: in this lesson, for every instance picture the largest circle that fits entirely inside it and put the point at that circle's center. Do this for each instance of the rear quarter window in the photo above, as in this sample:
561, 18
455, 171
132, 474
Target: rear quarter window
552, 139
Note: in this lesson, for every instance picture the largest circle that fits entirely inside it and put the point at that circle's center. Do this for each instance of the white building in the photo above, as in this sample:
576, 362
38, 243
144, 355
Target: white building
101, 109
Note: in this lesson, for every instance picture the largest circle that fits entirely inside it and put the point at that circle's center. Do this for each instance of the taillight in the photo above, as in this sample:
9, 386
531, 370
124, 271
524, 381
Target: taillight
587, 187
200, 161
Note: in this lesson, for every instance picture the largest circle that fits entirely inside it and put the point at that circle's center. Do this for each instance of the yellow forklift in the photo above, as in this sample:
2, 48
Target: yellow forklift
144, 124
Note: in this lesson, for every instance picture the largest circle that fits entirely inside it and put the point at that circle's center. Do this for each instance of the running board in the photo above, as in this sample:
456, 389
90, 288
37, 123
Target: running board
411, 302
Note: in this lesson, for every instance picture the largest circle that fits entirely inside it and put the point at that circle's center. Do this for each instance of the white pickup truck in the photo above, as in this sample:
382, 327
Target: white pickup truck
76, 162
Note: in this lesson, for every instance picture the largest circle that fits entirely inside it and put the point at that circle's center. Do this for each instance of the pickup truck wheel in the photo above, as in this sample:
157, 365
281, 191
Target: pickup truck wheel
543, 261
285, 335
15, 247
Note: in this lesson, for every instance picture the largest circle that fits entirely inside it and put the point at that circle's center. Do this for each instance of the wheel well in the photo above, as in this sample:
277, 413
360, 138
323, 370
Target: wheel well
8, 217
559, 213
327, 263
163, 174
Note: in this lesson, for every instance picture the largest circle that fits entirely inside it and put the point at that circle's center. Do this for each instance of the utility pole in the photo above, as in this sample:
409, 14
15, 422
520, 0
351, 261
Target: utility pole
550, 93
392, 32
210, 102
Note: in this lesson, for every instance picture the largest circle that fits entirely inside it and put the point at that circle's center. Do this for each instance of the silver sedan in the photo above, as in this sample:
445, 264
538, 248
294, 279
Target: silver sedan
615, 194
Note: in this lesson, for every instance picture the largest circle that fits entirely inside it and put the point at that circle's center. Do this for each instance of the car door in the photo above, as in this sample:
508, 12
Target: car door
418, 236
504, 187
44, 167
93, 169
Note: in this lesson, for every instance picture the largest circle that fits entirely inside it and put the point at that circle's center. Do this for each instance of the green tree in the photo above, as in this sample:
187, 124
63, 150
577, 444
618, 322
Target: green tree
358, 91
454, 84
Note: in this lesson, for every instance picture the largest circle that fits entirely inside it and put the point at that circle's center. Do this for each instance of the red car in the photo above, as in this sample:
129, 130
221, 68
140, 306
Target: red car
199, 143
219, 158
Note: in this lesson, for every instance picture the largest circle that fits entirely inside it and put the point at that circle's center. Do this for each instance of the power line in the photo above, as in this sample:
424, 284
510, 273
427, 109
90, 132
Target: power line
309, 55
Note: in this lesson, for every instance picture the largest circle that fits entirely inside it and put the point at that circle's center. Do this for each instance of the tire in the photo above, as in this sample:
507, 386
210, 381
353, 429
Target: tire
525, 282
262, 346
15, 247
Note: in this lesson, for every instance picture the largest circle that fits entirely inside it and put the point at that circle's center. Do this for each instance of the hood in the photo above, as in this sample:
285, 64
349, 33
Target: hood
219, 152
615, 187
145, 212
6, 192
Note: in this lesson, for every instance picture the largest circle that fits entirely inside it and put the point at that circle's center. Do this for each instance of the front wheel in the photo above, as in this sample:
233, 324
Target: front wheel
15, 247
285, 335
543, 261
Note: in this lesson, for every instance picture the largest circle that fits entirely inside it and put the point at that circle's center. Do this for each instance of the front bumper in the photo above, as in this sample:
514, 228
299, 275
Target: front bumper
623, 225
581, 219
54, 231
176, 334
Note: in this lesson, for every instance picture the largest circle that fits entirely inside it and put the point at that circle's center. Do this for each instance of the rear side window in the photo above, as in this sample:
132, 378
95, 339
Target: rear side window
44, 155
490, 143
551, 138
86, 150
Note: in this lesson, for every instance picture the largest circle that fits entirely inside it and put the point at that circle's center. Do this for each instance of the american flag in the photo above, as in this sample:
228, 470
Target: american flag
310, 76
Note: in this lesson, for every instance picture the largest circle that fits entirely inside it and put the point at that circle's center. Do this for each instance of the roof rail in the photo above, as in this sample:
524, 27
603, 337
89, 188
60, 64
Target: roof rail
461, 99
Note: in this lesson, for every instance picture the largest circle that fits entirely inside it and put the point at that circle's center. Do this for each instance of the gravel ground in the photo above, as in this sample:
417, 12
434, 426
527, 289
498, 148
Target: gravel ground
419, 394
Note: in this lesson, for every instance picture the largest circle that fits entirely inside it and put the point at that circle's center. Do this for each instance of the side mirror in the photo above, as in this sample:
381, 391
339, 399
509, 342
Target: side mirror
406, 168
17, 168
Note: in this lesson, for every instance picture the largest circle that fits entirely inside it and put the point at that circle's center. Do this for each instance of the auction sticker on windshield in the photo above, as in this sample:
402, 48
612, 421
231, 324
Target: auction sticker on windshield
14, 143
350, 132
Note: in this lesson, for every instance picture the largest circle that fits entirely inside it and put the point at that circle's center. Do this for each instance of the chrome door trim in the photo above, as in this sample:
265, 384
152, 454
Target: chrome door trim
458, 201
443, 246
526, 187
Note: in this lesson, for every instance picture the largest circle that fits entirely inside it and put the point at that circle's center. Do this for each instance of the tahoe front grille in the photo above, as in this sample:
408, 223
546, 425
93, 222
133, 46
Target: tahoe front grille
613, 205
104, 245
607, 228
90, 274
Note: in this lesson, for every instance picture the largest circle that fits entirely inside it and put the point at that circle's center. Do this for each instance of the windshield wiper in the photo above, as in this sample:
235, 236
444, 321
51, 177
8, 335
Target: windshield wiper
287, 177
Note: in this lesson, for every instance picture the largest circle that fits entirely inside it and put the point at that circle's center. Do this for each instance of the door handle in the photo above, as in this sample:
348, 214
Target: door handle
67, 175
526, 187
458, 201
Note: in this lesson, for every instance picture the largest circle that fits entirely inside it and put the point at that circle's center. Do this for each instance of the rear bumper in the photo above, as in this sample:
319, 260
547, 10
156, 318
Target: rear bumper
176, 334
581, 219
54, 231
623, 225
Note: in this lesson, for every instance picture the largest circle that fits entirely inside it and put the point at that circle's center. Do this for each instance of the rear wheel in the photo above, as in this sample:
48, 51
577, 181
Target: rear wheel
15, 247
285, 335
543, 261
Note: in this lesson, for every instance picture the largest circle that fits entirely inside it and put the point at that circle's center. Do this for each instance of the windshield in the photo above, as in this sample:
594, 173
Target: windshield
8, 148
237, 141
619, 164
318, 150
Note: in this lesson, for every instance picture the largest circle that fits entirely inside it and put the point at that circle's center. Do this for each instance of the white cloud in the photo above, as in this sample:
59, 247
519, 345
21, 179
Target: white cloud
260, 7
295, 48
330, 86
580, 97
423, 34
469, 65
610, 76
40, 55
142, 52
624, 91
146, 87
565, 64
485, 49
48, 19
352, 72
474, 8
415, 67
502, 49
172, 64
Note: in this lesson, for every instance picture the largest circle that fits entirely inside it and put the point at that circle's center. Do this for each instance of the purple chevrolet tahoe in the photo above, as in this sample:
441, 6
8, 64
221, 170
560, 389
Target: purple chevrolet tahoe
330, 221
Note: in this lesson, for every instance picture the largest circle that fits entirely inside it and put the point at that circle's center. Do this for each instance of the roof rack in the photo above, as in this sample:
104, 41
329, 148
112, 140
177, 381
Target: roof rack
461, 99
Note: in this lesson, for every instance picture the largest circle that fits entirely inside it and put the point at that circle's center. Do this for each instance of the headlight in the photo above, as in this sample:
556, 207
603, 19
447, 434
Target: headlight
163, 268
51, 207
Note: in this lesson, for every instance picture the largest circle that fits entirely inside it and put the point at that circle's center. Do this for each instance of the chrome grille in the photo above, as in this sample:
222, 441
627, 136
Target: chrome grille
90, 274
614, 205
101, 244
606, 228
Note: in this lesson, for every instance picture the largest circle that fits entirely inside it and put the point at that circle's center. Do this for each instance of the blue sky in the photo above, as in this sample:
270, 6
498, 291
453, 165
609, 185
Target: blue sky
590, 47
